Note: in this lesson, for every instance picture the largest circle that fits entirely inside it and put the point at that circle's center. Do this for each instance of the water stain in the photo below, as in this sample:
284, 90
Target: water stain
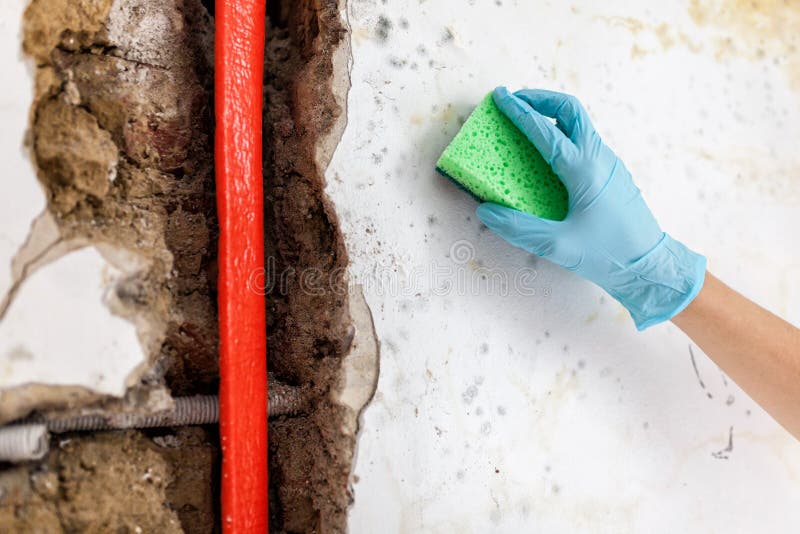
755, 30
631, 24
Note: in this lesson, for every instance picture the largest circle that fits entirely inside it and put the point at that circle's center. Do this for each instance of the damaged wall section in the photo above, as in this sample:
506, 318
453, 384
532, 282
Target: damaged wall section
120, 134
312, 318
121, 137
131, 83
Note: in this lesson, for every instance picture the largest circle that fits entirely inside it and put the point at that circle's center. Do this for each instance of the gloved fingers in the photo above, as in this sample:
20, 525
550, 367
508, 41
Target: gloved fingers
569, 113
548, 140
528, 232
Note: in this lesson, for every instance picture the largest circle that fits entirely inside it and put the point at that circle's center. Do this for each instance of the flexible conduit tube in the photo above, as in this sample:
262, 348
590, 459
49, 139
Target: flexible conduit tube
239, 66
30, 439
197, 410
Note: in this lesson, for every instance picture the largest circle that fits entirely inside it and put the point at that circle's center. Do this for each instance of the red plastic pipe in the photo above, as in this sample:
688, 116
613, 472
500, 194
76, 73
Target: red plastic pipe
238, 80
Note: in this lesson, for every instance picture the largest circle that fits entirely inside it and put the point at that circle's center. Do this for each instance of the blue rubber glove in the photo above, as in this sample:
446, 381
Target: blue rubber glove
609, 235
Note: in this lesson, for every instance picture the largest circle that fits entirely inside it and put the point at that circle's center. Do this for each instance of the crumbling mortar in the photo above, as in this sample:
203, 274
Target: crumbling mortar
147, 214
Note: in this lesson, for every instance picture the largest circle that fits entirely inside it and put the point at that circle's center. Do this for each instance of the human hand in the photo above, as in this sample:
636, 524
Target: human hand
609, 235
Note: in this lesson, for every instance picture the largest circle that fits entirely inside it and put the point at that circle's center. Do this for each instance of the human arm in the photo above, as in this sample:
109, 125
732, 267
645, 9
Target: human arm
611, 238
757, 349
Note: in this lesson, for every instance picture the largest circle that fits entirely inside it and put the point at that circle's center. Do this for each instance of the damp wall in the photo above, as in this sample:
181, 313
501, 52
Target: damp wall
539, 407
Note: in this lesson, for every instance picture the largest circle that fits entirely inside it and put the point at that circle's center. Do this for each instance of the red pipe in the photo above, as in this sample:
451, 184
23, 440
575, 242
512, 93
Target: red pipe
238, 81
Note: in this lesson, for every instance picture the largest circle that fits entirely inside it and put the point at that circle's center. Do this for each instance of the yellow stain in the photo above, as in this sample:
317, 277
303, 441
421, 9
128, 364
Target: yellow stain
754, 30
637, 51
358, 35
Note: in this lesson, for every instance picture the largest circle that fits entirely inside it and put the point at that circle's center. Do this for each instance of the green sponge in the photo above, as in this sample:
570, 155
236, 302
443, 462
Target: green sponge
495, 162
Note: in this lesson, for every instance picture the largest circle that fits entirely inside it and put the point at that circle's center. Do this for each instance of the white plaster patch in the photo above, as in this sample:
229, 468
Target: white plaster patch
59, 329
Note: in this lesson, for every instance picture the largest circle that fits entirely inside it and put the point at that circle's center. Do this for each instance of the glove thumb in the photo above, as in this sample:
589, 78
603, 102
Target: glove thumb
528, 232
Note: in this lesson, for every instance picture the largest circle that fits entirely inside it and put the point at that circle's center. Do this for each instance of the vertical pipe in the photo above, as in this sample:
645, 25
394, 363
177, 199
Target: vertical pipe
239, 65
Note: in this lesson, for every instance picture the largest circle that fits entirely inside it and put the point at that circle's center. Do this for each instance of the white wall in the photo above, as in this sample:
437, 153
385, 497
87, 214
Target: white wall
550, 413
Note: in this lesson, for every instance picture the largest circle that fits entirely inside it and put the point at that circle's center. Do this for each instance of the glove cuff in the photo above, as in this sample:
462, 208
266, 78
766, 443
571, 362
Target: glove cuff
662, 283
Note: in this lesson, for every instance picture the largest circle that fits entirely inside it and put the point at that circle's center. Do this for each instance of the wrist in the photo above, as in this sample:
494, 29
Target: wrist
660, 284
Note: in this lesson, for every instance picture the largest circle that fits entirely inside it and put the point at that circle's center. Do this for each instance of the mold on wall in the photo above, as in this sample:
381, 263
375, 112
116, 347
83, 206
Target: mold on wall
513, 395
120, 135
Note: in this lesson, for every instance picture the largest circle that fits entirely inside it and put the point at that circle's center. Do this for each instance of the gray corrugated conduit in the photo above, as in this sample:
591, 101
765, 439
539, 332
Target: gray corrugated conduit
30, 439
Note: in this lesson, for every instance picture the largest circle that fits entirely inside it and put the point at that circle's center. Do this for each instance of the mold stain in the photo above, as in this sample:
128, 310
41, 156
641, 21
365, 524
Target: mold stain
633, 25
383, 29
754, 30
724, 454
